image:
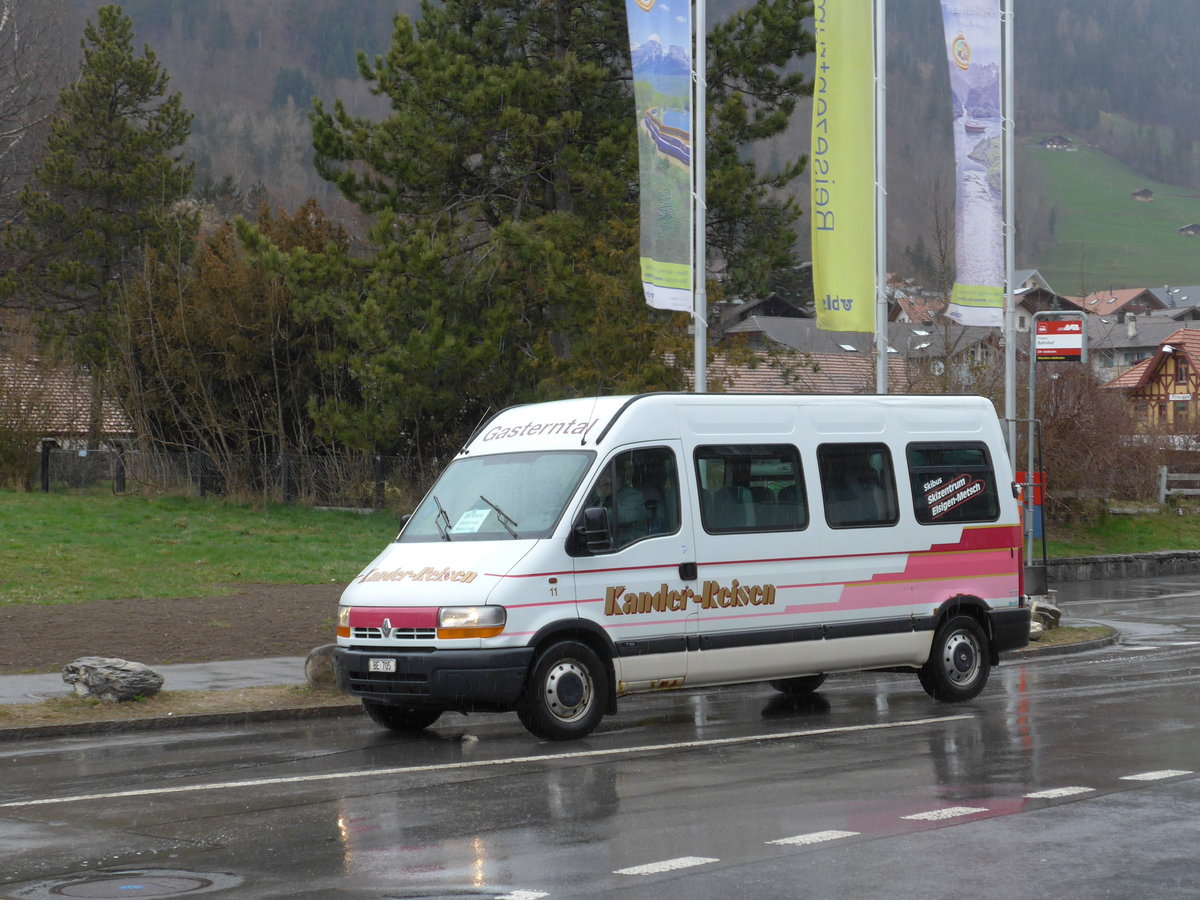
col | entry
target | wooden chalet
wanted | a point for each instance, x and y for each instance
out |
(1164, 390)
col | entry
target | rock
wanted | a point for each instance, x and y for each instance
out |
(111, 679)
(318, 668)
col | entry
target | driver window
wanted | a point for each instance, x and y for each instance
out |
(640, 491)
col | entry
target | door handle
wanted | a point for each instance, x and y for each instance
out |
(687, 571)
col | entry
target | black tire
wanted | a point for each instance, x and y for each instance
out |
(564, 698)
(958, 664)
(801, 686)
(400, 719)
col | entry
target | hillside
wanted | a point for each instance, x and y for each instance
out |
(249, 70)
(1102, 237)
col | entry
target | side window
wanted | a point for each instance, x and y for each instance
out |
(751, 487)
(952, 482)
(858, 485)
(640, 490)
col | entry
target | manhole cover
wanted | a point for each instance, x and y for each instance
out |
(132, 884)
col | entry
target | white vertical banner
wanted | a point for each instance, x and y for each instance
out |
(660, 41)
(973, 46)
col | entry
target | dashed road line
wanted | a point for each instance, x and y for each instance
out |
(1157, 776)
(815, 837)
(667, 865)
(952, 812)
(1052, 793)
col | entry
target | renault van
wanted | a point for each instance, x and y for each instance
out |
(579, 551)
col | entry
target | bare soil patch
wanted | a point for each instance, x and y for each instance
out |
(254, 621)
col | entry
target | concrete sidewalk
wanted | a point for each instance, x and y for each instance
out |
(225, 675)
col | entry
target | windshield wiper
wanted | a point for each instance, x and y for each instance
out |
(442, 515)
(504, 518)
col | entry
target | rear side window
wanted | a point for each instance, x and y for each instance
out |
(751, 487)
(952, 482)
(858, 485)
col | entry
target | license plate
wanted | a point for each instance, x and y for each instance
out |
(381, 665)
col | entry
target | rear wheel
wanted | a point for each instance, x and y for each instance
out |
(798, 687)
(958, 664)
(400, 719)
(564, 697)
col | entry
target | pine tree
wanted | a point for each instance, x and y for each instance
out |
(504, 182)
(107, 190)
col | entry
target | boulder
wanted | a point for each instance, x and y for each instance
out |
(111, 679)
(318, 668)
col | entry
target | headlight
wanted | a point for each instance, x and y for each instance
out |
(343, 621)
(470, 621)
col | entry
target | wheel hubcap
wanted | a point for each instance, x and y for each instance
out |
(961, 658)
(568, 690)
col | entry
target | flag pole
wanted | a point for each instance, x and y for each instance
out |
(699, 174)
(881, 304)
(1010, 312)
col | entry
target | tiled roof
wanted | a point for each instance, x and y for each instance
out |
(800, 373)
(1185, 341)
(908, 340)
(1106, 303)
(53, 402)
(921, 310)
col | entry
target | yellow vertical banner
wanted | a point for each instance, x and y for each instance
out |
(842, 168)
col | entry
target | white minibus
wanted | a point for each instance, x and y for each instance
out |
(578, 551)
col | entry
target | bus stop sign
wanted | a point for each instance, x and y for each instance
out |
(1059, 340)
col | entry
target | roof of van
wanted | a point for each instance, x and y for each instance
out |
(587, 421)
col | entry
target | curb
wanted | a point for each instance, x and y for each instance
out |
(1033, 652)
(165, 723)
(353, 708)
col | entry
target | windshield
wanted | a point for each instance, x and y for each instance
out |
(500, 497)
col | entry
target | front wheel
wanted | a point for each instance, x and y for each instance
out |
(400, 719)
(564, 697)
(958, 664)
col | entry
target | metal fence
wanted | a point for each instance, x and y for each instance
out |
(358, 480)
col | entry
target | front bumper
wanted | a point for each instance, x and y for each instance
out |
(459, 680)
(1010, 628)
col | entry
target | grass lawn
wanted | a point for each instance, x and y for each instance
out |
(1125, 534)
(61, 548)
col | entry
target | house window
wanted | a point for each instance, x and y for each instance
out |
(1181, 371)
(1181, 413)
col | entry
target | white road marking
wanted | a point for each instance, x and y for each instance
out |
(1157, 776)
(478, 764)
(815, 837)
(667, 865)
(523, 895)
(952, 812)
(1059, 792)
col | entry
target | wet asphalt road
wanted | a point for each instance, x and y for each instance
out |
(1073, 776)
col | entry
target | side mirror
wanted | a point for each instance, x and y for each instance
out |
(593, 533)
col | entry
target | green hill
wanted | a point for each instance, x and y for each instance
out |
(1099, 230)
